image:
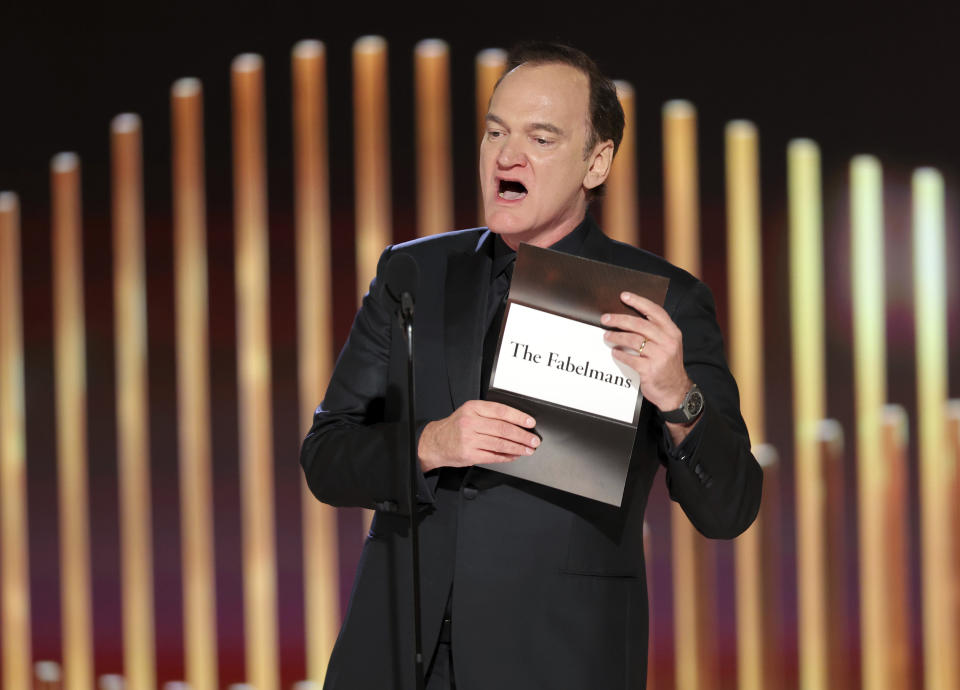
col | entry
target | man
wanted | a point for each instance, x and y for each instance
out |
(523, 586)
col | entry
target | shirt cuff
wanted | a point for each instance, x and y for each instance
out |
(424, 494)
(688, 446)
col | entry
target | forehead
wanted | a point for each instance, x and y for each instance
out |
(551, 92)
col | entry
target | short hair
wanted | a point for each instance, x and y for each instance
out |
(606, 113)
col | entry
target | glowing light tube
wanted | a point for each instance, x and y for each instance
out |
(620, 213)
(371, 142)
(14, 566)
(71, 403)
(253, 372)
(896, 492)
(693, 558)
(756, 564)
(193, 385)
(431, 75)
(371, 155)
(832, 458)
(938, 469)
(315, 340)
(133, 422)
(870, 387)
(746, 362)
(681, 207)
(488, 67)
(809, 405)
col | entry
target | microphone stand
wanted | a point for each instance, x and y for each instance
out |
(406, 320)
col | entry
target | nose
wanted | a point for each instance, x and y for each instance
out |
(510, 154)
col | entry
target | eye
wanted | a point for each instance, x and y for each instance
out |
(542, 141)
(494, 133)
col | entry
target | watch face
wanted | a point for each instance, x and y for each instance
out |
(694, 403)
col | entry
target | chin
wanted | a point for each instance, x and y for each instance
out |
(505, 223)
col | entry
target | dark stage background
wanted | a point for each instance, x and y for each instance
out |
(855, 83)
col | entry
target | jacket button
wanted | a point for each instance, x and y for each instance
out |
(705, 478)
(470, 492)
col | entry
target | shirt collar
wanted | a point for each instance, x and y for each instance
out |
(571, 243)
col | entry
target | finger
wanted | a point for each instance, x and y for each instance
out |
(511, 432)
(631, 324)
(485, 456)
(636, 344)
(647, 307)
(636, 362)
(495, 410)
(496, 444)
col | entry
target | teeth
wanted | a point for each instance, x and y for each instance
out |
(511, 190)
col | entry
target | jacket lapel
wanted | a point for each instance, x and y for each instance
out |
(467, 283)
(596, 245)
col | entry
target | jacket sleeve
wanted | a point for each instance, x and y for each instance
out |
(716, 480)
(354, 453)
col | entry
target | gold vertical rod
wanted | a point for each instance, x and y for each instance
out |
(680, 186)
(745, 272)
(648, 559)
(371, 127)
(15, 563)
(870, 388)
(315, 346)
(831, 448)
(953, 426)
(193, 385)
(809, 404)
(757, 577)
(896, 518)
(767, 552)
(744, 256)
(937, 468)
(620, 204)
(953, 432)
(693, 563)
(488, 68)
(431, 75)
(71, 403)
(133, 445)
(371, 152)
(253, 363)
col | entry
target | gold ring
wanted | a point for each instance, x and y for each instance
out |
(642, 345)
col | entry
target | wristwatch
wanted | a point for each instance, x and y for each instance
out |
(689, 410)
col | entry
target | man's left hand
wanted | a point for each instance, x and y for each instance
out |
(652, 345)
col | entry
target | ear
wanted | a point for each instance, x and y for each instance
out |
(600, 161)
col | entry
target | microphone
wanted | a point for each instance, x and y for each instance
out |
(401, 279)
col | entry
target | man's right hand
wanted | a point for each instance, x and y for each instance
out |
(479, 431)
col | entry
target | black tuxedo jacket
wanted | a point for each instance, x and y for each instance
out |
(548, 588)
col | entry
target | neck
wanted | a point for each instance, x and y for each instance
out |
(544, 238)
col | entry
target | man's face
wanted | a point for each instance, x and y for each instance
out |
(533, 173)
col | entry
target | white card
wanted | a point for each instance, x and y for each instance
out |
(565, 362)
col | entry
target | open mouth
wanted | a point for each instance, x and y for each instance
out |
(511, 190)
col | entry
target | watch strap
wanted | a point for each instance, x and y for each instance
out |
(689, 410)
